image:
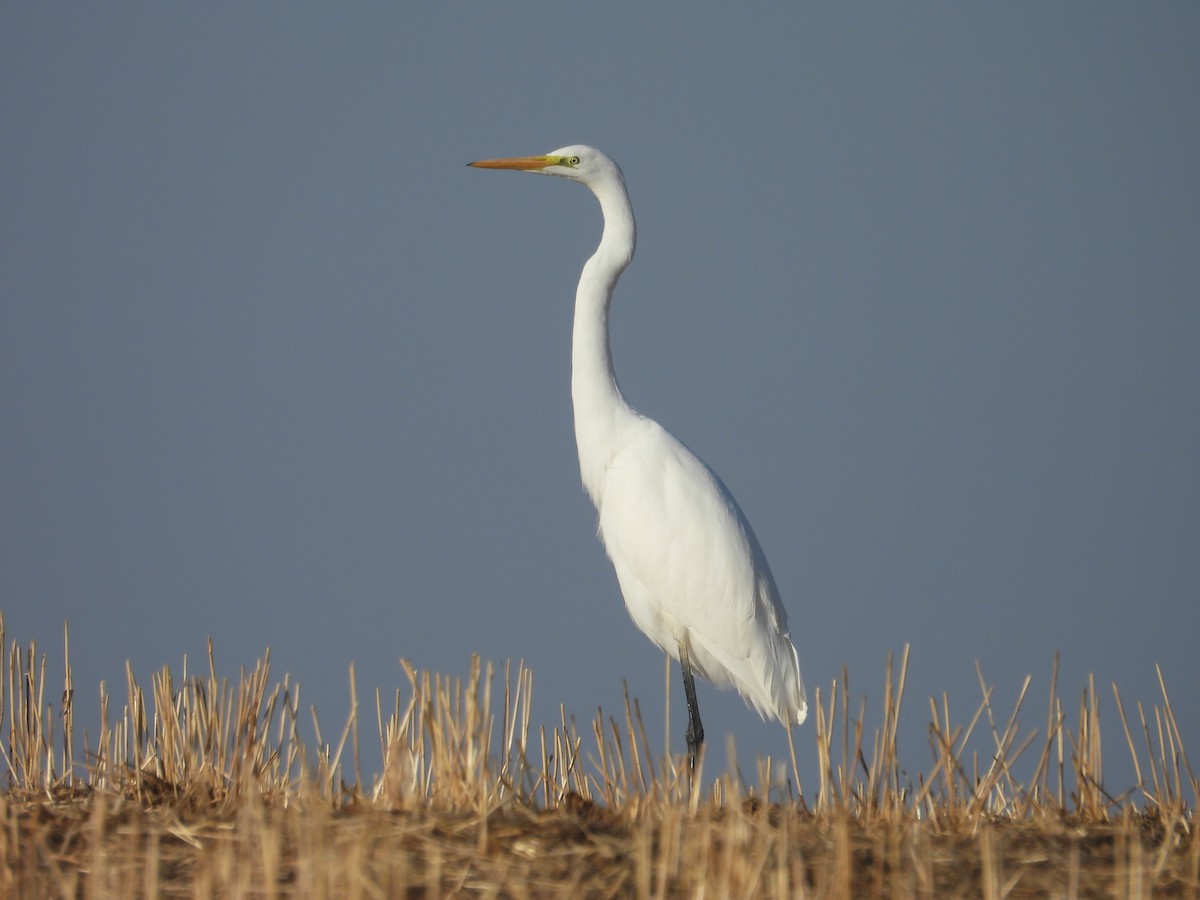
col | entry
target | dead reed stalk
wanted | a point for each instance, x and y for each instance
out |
(200, 784)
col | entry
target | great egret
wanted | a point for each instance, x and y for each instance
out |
(694, 577)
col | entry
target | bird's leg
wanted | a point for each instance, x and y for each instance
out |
(695, 731)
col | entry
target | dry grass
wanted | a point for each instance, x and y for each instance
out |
(201, 788)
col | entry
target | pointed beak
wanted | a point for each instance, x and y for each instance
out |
(520, 163)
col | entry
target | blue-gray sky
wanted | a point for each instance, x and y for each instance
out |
(919, 280)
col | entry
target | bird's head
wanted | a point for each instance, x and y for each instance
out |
(577, 162)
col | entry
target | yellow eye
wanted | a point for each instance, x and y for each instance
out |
(574, 161)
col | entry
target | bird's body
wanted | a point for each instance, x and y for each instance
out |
(692, 571)
(693, 575)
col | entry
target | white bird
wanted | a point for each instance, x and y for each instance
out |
(694, 577)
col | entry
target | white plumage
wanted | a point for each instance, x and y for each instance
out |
(694, 577)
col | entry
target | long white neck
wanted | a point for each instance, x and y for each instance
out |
(601, 413)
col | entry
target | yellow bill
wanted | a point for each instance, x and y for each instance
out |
(522, 163)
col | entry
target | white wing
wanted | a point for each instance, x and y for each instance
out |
(691, 569)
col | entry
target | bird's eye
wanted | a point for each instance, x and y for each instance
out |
(574, 161)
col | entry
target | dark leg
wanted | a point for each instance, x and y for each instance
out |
(695, 731)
